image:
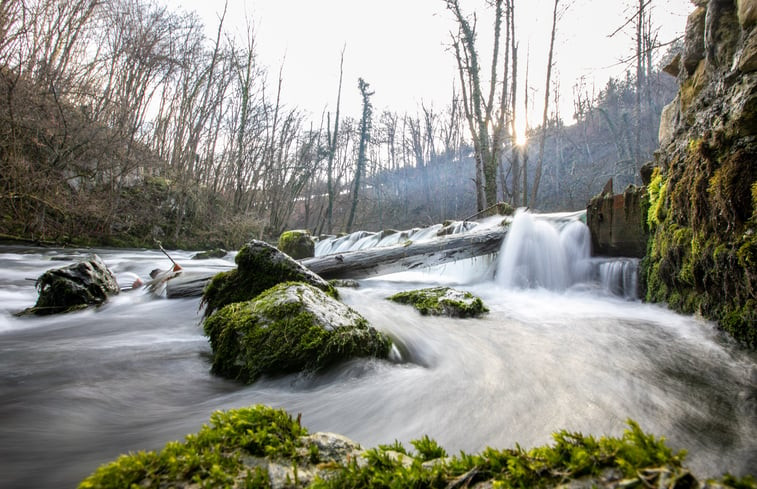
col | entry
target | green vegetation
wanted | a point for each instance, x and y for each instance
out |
(211, 458)
(702, 257)
(240, 448)
(291, 327)
(442, 301)
(298, 244)
(260, 266)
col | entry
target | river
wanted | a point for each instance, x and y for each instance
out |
(77, 390)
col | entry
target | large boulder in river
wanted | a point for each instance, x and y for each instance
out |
(260, 266)
(442, 301)
(291, 327)
(298, 244)
(88, 282)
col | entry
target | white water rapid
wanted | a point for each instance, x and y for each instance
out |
(557, 350)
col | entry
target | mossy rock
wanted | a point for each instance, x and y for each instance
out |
(263, 447)
(345, 283)
(292, 327)
(442, 301)
(88, 282)
(260, 266)
(206, 255)
(297, 243)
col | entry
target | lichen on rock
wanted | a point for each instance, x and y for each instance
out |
(442, 301)
(291, 327)
(88, 282)
(297, 243)
(260, 266)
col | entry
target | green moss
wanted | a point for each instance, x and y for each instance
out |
(237, 446)
(211, 458)
(259, 267)
(279, 332)
(442, 301)
(297, 243)
(571, 457)
(214, 253)
(657, 192)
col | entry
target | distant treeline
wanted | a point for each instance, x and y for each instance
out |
(122, 123)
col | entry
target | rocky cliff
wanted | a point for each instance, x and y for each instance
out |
(702, 255)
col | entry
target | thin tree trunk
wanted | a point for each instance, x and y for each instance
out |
(545, 114)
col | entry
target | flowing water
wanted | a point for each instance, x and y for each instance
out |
(562, 347)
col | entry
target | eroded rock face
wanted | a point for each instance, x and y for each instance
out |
(82, 284)
(702, 213)
(442, 301)
(291, 327)
(260, 266)
(298, 244)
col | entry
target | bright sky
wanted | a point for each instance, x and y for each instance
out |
(400, 46)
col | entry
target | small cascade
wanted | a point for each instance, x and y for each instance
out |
(620, 277)
(543, 253)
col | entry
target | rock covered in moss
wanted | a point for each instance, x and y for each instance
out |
(442, 301)
(297, 243)
(260, 266)
(263, 447)
(88, 282)
(208, 254)
(291, 327)
(702, 210)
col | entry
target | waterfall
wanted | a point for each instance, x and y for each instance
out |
(543, 253)
(620, 277)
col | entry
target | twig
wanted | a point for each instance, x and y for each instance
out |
(176, 266)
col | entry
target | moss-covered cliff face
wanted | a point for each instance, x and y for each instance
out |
(702, 255)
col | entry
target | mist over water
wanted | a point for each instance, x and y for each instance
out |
(556, 351)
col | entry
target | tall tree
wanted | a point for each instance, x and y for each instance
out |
(486, 119)
(547, 89)
(332, 140)
(365, 134)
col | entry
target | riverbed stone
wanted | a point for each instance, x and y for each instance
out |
(292, 327)
(297, 243)
(260, 266)
(85, 283)
(442, 301)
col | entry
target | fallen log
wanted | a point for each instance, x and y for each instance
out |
(372, 261)
(412, 256)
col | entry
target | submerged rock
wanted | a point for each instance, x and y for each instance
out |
(297, 243)
(88, 282)
(442, 301)
(291, 327)
(260, 266)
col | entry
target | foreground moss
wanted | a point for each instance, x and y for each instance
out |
(265, 447)
(442, 301)
(211, 458)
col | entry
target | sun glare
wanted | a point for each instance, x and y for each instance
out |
(520, 136)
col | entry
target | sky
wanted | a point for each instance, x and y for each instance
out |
(401, 47)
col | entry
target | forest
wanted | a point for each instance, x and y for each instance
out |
(122, 123)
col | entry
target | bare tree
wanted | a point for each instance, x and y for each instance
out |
(547, 90)
(365, 134)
